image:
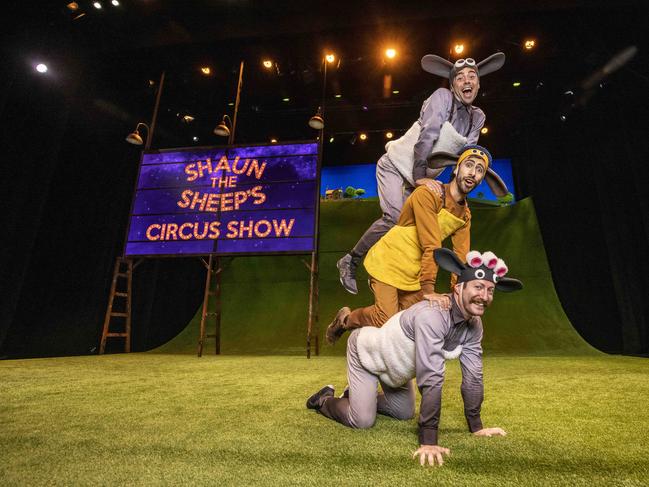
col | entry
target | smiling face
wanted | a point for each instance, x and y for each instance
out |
(476, 296)
(471, 172)
(466, 85)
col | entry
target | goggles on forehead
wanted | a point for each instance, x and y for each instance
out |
(463, 63)
(475, 151)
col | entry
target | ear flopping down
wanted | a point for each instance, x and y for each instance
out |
(483, 266)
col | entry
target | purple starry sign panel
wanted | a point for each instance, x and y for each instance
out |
(259, 199)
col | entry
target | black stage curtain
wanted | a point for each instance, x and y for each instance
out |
(69, 177)
(588, 177)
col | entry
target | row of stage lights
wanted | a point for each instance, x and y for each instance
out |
(361, 136)
(77, 12)
(316, 122)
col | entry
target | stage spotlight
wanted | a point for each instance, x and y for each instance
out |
(530, 44)
(97, 5)
(273, 141)
(286, 100)
(363, 136)
(458, 48)
(317, 122)
(331, 140)
(389, 135)
(206, 70)
(338, 95)
(395, 92)
(390, 53)
(222, 128)
(115, 3)
(330, 58)
(41, 68)
(188, 118)
(268, 63)
(516, 84)
(484, 130)
(73, 6)
(134, 137)
(195, 139)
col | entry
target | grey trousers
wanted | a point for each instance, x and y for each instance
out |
(393, 191)
(359, 411)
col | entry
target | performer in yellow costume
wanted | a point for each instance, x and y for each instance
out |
(401, 265)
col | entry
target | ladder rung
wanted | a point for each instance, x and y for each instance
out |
(116, 334)
(123, 295)
(119, 314)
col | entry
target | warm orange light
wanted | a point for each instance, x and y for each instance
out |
(389, 135)
(529, 44)
(273, 141)
(484, 130)
(73, 6)
(458, 48)
(363, 136)
(330, 58)
(268, 63)
(390, 53)
(206, 70)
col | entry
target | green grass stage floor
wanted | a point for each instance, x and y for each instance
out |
(152, 419)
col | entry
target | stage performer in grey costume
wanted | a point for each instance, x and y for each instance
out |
(447, 122)
(415, 343)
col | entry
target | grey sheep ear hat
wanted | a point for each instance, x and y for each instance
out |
(483, 266)
(439, 66)
(440, 160)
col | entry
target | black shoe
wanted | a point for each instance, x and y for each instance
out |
(347, 270)
(336, 328)
(345, 394)
(316, 400)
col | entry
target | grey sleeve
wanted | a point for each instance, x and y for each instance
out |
(478, 122)
(429, 368)
(472, 385)
(433, 115)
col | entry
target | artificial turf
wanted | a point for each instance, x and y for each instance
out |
(151, 419)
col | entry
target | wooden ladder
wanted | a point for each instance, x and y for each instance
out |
(213, 270)
(126, 274)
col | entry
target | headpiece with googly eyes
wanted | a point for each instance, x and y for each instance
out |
(446, 69)
(479, 266)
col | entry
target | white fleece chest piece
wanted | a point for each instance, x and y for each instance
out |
(452, 354)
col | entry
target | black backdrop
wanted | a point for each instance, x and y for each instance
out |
(67, 188)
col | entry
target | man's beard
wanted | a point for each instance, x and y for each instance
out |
(466, 187)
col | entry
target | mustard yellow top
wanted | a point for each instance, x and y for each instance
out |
(403, 257)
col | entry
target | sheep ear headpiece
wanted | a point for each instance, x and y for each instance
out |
(439, 66)
(439, 160)
(479, 266)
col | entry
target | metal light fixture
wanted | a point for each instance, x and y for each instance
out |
(316, 122)
(134, 137)
(222, 128)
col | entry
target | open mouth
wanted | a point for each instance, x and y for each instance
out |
(467, 91)
(469, 182)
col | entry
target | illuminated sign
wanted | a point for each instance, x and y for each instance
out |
(252, 200)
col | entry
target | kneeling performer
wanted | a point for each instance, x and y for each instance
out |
(415, 343)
